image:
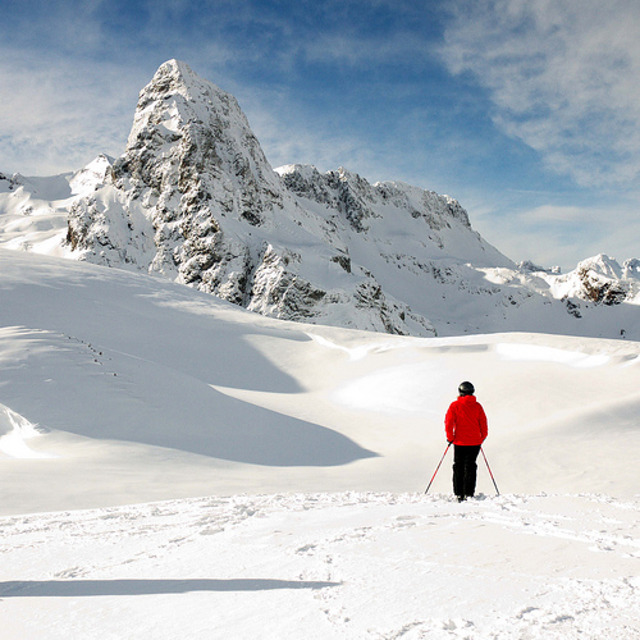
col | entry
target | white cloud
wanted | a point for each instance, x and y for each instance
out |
(558, 234)
(563, 78)
(559, 214)
(58, 116)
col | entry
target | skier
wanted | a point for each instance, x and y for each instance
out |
(466, 428)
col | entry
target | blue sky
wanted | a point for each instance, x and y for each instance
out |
(526, 111)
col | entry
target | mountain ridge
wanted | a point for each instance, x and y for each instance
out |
(193, 198)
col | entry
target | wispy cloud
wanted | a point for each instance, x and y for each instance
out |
(71, 73)
(558, 234)
(563, 78)
(59, 116)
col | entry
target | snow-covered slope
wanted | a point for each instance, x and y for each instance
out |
(117, 387)
(34, 212)
(300, 454)
(194, 199)
(347, 566)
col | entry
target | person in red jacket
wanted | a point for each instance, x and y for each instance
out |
(466, 428)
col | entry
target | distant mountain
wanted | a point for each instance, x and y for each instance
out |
(194, 199)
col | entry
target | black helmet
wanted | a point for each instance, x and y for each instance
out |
(466, 389)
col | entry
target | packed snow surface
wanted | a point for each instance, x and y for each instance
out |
(173, 466)
(347, 565)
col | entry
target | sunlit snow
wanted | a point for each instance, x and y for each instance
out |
(173, 466)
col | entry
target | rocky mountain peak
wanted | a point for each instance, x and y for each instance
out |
(190, 138)
(172, 77)
(359, 201)
(194, 198)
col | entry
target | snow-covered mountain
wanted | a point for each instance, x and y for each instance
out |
(193, 198)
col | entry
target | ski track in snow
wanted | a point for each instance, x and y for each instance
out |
(345, 565)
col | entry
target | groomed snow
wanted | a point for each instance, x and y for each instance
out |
(172, 466)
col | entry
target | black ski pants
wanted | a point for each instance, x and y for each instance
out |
(464, 470)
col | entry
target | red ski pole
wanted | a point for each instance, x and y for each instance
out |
(437, 469)
(489, 468)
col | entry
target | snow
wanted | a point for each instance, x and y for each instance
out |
(347, 565)
(175, 466)
(34, 210)
(15, 430)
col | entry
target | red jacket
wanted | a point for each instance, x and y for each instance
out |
(466, 423)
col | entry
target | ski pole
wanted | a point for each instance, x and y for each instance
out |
(437, 468)
(489, 468)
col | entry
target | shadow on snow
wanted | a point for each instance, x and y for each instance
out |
(135, 587)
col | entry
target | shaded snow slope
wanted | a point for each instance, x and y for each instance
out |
(138, 389)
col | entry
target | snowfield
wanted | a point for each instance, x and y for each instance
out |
(348, 565)
(172, 466)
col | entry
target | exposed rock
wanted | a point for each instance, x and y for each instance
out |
(600, 281)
